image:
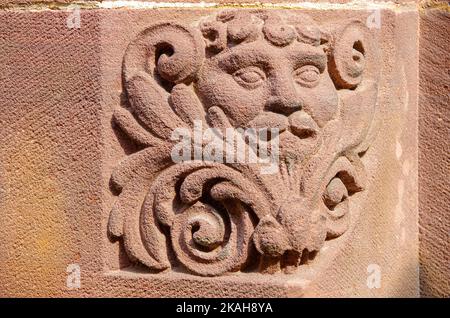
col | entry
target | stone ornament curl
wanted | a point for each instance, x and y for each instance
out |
(348, 55)
(242, 69)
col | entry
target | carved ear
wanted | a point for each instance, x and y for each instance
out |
(347, 60)
(162, 56)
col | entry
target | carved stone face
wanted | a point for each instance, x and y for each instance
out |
(242, 69)
(275, 79)
(258, 81)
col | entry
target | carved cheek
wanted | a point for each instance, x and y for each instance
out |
(321, 102)
(218, 88)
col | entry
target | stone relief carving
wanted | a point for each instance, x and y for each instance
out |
(243, 69)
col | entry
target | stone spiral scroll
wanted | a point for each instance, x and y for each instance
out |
(240, 70)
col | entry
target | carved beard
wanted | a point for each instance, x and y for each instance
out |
(299, 134)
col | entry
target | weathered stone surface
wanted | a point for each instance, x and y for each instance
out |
(87, 179)
(434, 152)
(51, 150)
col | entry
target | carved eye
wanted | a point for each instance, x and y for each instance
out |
(249, 77)
(307, 75)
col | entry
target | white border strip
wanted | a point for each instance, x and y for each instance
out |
(352, 5)
(134, 4)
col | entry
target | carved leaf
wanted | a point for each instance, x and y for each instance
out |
(357, 115)
(206, 215)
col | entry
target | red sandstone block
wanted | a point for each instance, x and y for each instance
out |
(88, 185)
(434, 128)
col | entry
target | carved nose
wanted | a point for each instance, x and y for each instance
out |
(284, 97)
(283, 105)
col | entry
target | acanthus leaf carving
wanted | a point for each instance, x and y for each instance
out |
(237, 70)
